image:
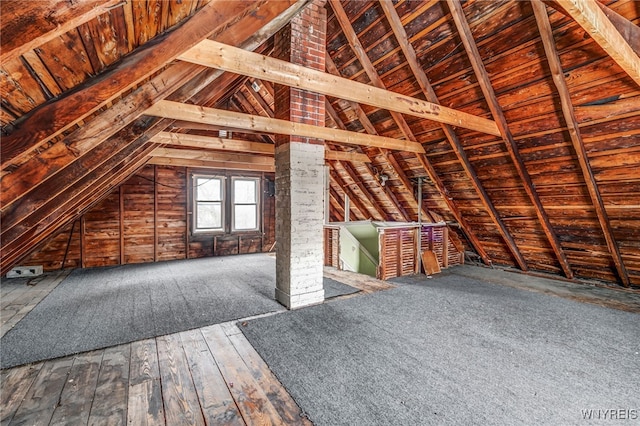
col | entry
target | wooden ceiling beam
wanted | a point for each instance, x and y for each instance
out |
(209, 164)
(198, 114)
(348, 156)
(210, 142)
(27, 25)
(199, 154)
(242, 150)
(449, 132)
(496, 110)
(595, 22)
(218, 55)
(557, 73)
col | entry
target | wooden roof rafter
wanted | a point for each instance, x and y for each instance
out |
(367, 65)
(51, 119)
(594, 21)
(336, 202)
(375, 79)
(29, 28)
(357, 180)
(370, 129)
(352, 173)
(553, 59)
(264, 107)
(449, 132)
(496, 110)
(373, 76)
(101, 127)
(107, 123)
(354, 199)
(22, 232)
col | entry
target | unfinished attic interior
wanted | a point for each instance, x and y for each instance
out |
(369, 182)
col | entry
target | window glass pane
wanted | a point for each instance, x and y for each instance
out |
(244, 191)
(209, 215)
(209, 189)
(246, 217)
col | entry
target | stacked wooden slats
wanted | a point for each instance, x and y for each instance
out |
(332, 246)
(398, 248)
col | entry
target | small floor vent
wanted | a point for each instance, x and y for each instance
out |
(25, 271)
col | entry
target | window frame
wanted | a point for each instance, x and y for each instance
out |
(257, 204)
(196, 201)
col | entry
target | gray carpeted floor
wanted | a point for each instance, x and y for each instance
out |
(453, 350)
(101, 307)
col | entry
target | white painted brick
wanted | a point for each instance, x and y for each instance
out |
(299, 221)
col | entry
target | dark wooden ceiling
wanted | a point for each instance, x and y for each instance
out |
(76, 78)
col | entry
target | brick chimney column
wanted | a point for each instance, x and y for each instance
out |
(299, 166)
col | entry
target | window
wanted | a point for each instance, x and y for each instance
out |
(245, 204)
(209, 203)
(215, 211)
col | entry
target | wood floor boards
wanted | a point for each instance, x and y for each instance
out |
(364, 283)
(207, 376)
(18, 299)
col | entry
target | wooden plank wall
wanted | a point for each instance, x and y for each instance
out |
(146, 219)
(605, 99)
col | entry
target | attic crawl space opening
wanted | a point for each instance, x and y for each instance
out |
(519, 120)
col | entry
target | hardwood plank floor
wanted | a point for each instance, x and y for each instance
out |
(195, 377)
(206, 376)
